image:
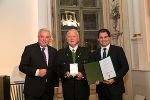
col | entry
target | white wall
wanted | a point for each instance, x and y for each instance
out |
(139, 46)
(141, 83)
(128, 95)
(19, 24)
(147, 22)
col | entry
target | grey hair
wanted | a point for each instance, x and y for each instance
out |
(65, 43)
(45, 29)
(72, 30)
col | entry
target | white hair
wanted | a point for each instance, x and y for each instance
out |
(73, 30)
(45, 29)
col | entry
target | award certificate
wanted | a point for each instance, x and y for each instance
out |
(107, 68)
(73, 69)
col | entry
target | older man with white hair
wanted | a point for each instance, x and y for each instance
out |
(70, 62)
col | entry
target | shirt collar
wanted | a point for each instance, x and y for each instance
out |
(75, 48)
(107, 47)
(43, 47)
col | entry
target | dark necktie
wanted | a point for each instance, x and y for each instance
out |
(104, 53)
(44, 55)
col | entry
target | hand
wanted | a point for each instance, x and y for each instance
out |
(79, 76)
(55, 91)
(42, 72)
(111, 81)
(97, 83)
(68, 74)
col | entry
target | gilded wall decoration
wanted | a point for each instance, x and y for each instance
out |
(115, 16)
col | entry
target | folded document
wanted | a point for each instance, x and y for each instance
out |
(99, 70)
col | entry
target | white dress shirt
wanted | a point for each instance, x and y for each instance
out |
(47, 58)
(75, 48)
(102, 50)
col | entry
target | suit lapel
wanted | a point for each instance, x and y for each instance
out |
(110, 49)
(69, 55)
(78, 54)
(98, 54)
(39, 51)
(49, 56)
(40, 54)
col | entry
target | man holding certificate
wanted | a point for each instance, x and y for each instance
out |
(70, 62)
(113, 88)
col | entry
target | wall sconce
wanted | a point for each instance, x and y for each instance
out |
(137, 35)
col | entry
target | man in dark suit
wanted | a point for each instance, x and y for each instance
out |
(37, 62)
(75, 86)
(111, 89)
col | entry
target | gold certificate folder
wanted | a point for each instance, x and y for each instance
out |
(93, 72)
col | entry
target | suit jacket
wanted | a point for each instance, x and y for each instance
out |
(121, 68)
(73, 88)
(32, 59)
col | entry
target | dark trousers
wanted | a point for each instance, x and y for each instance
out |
(43, 97)
(77, 99)
(113, 97)
(105, 94)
